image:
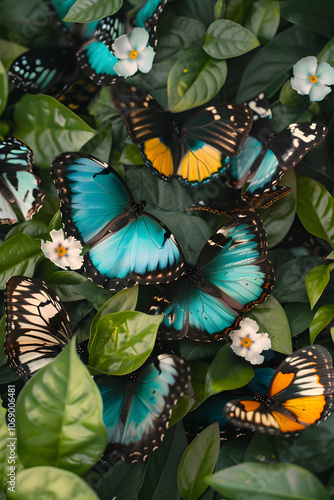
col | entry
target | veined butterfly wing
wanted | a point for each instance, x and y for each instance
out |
(37, 325)
(299, 395)
(127, 245)
(18, 184)
(232, 274)
(137, 407)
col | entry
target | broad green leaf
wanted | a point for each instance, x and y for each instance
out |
(310, 14)
(49, 127)
(131, 156)
(322, 317)
(100, 145)
(177, 35)
(316, 281)
(123, 341)
(290, 97)
(198, 371)
(3, 88)
(182, 407)
(224, 39)
(263, 481)
(85, 11)
(327, 53)
(125, 300)
(19, 256)
(160, 482)
(198, 461)
(191, 350)
(227, 371)
(271, 318)
(33, 228)
(261, 449)
(41, 483)
(49, 208)
(194, 79)
(232, 452)
(56, 222)
(219, 9)
(315, 208)
(196, 9)
(299, 315)
(59, 416)
(10, 51)
(269, 68)
(264, 19)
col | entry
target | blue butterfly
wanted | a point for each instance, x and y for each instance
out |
(137, 407)
(127, 245)
(96, 57)
(80, 31)
(19, 186)
(266, 155)
(232, 274)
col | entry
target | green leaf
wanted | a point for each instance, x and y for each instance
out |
(269, 67)
(316, 281)
(33, 228)
(19, 256)
(322, 317)
(290, 98)
(194, 79)
(100, 145)
(58, 404)
(271, 318)
(224, 39)
(299, 316)
(310, 14)
(263, 481)
(327, 53)
(131, 156)
(226, 372)
(49, 127)
(198, 372)
(160, 482)
(123, 341)
(261, 449)
(10, 51)
(264, 19)
(3, 88)
(198, 461)
(85, 11)
(125, 300)
(315, 208)
(39, 483)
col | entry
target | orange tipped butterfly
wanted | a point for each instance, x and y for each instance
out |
(195, 151)
(300, 394)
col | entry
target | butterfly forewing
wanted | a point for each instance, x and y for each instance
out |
(37, 325)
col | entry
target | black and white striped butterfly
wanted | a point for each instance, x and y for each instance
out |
(37, 325)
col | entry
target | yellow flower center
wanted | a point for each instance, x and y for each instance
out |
(246, 342)
(61, 251)
(313, 78)
(133, 54)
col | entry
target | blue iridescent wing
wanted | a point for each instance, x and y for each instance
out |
(137, 408)
(19, 186)
(241, 166)
(232, 275)
(148, 16)
(58, 10)
(127, 245)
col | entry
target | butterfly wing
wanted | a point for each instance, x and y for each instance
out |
(137, 409)
(37, 325)
(299, 395)
(148, 17)
(18, 184)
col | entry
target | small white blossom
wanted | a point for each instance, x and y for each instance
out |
(133, 53)
(249, 344)
(64, 252)
(312, 79)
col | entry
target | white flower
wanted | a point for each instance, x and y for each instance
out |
(133, 53)
(249, 344)
(64, 252)
(311, 79)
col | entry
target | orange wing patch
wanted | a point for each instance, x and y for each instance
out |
(280, 382)
(160, 156)
(287, 425)
(200, 165)
(307, 410)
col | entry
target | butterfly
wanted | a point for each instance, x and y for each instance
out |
(299, 395)
(266, 155)
(58, 9)
(37, 325)
(196, 151)
(19, 186)
(231, 275)
(127, 245)
(137, 407)
(96, 56)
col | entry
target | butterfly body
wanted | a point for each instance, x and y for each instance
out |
(299, 395)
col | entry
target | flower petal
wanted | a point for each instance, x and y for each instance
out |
(138, 39)
(319, 91)
(325, 73)
(145, 60)
(57, 236)
(305, 67)
(302, 86)
(248, 325)
(122, 47)
(254, 358)
(239, 350)
(126, 67)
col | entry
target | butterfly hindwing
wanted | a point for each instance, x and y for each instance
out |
(299, 395)
(127, 245)
(37, 325)
(137, 407)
